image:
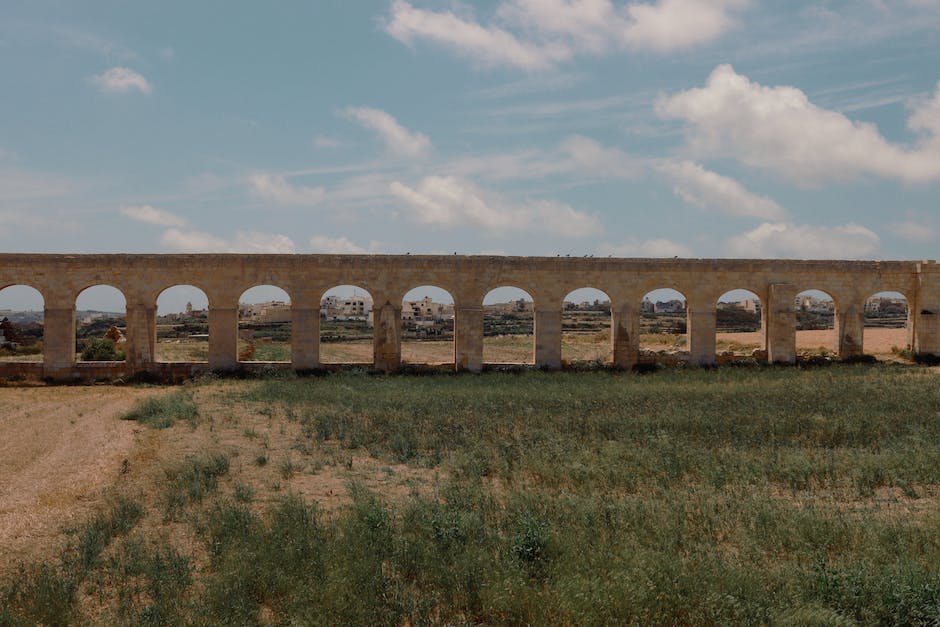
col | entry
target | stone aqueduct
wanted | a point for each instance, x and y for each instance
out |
(223, 278)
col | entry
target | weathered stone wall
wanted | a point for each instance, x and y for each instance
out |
(141, 278)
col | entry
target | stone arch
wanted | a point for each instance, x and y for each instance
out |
(508, 326)
(816, 322)
(22, 312)
(739, 325)
(182, 325)
(887, 328)
(264, 324)
(347, 329)
(100, 324)
(586, 329)
(427, 318)
(664, 326)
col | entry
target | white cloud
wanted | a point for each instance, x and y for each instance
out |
(645, 248)
(539, 34)
(398, 139)
(801, 241)
(708, 190)
(592, 158)
(335, 245)
(321, 141)
(275, 188)
(674, 24)
(483, 45)
(450, 202)
(921, 230)
(152, 215)
(193, 241)
(121, 80)
(778, 129)
(243, 242)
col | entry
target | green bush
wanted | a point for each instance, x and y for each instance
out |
(100, 349)
(161, 412)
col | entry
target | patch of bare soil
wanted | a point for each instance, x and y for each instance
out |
(60, 449)
(271, 454)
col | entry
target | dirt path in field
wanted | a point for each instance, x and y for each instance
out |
(60, 448)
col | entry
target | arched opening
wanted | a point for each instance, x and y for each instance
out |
(100, 324)
(182, 325)
(887, 325)
(585, 327)
(664, 327)
(346, 326)
(508, 337)
(21, 323)
(739, 326)
(427, 326)
(264, 324)
(815, 324)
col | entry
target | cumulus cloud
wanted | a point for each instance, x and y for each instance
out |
(152, 215)
(483, 45)
(397, 138)
(539, 34)
(921, 230)
(335, 245)
(788, 240)
(450, 202)
(277, 189)
(244, 242)
(778, 129)
(121, 80)
(645, 248)
(592, 158)
(322, 141)
(709, 190)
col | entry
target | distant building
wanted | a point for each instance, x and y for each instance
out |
(669, 307)
(269, 312)
(345, 308)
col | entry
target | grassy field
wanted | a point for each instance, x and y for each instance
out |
(729, 496)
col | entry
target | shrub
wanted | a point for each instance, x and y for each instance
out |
(101, 349)
(162, 412)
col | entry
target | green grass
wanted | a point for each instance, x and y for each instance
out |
(730, 496)
(161, 412)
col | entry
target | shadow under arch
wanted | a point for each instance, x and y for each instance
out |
(508, 326)
(586, 332)
(739, 325)
(664, 325)
(347, 332)
(264, 324)
(816, 333)
(887, 332)
(182, 325)
(100, 324)
(22, 314)
(427, 326)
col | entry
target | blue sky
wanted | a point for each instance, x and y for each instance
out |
(722, 128)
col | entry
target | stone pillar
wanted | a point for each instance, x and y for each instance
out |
(625, 334)
(850, 325)
(58, 342)
(925, 310)
(780, 324)
(305, 337)
(387, 337)
(701, 327)
(223, 338)
(548, 339)
(139, 350)
(468, 338)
